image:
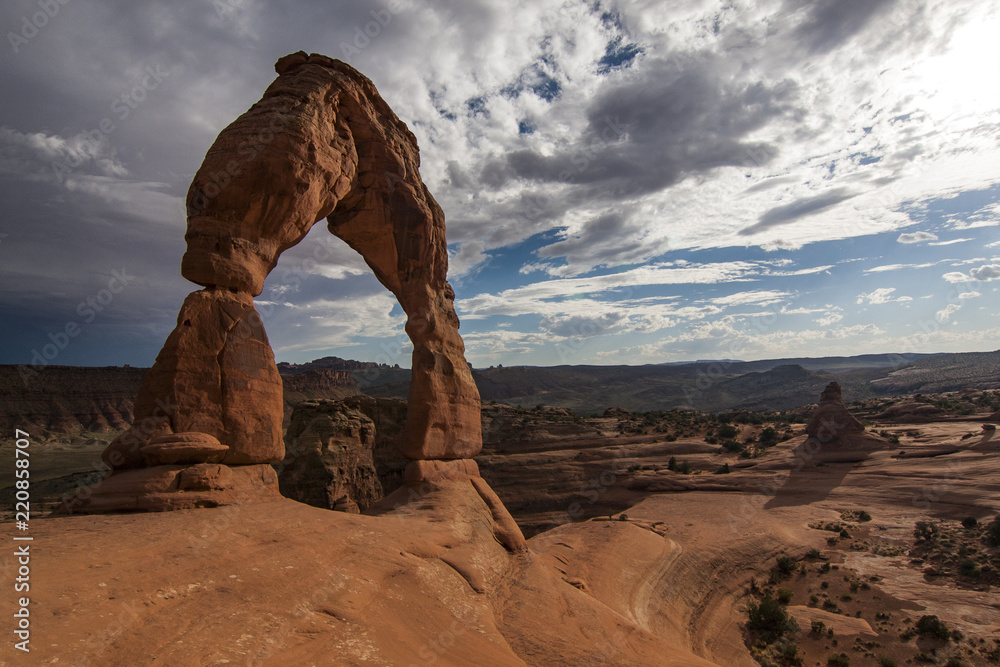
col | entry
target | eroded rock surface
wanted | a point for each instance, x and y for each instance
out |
(328, 460)
(214, 375)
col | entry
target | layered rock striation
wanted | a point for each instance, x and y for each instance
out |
(328, 458)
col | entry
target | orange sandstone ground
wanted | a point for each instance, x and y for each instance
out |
(427, 583)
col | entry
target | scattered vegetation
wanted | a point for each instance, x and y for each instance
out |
(932, 626)
(768, 620)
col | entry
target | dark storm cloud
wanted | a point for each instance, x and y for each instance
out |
(673, 117)
(108, 111)
(608, 239)
(783, 215)
(830, 23)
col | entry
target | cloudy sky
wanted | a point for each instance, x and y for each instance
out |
(624, 182)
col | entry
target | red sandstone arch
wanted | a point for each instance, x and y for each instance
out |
(321, 143)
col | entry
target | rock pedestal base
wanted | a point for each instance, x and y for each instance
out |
(423, 478)
(173, 487)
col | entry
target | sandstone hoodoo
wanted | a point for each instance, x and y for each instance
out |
(836, 434)
(326, 146)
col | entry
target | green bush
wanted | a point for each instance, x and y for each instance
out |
(818, 627)
(723, 469)
(969, 522)
(969, 568)
(768, 437)
(886, 662)
(925, 530)
(785, 564)
(732, 446)
(932, 626)
(768, 619)
(838, 660)
(727, 431)
(864, 516)
(784, 595)
(672, 464)
(993, 533)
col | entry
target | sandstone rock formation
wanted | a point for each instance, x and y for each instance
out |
(322, 143)
(327, 145)
(912, 412)
(832, 420)
(328, 461)
(835, 434)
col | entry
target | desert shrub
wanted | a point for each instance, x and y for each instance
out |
(844, 534)
(768, 437)
(932, 626)
(829, 604)
(768, 619)
(953, 662)
(838, 660)
(814, 554)
(727, 431)
(623, 517)
(787, 653)
(732, 446)
(969, 522)
(993, 533)
(784, 595)
(846, 597)
(864, 516)
(824, 568)
(672, 464)
(886, 662)
(813, 600)
(785, 564)
(969, 568)
(671, 438)
(817, 627)
(711, 440)
(925, 530)
(723, 469)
